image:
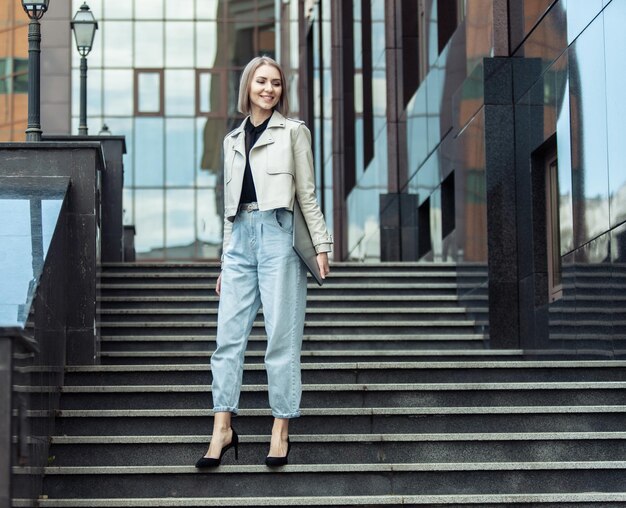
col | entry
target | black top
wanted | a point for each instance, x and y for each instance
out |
(248, 192)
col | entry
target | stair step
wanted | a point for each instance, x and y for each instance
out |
(111, 450)
(462, 419)
(327, 342)
(350, 395)
(333, 479)
(442, 315)
(451, 501)
(203, 356)
(360, 372)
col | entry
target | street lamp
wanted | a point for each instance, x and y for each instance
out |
(84, 26)
(35, 10)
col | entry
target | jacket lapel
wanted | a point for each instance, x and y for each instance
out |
(267, 136)
(239, 139)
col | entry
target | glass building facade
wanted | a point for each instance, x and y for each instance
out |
(486, 134)
(165, 75)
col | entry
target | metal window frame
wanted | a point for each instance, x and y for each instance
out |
(222, 75)
(161, 72)
(553, 227)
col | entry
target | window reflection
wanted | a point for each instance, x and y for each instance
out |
(148, 92)
(149, 152)
(113, 9)
(179, 150)
(180, 9)
(180, 92)
(118, 39)
(150, 9)
(179, 43)
(118, 92)
(206, 9)
(179, 223)
(149, 43)
(149, 224)
(206, 44)
(614, 19)
(589, 148)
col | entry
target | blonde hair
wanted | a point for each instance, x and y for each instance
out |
(243, 104)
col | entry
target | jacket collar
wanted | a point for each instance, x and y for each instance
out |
(277, 120)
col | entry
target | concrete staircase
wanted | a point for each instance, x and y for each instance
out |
(402, 404)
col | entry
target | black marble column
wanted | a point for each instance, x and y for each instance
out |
(113, 148)
(504, 326)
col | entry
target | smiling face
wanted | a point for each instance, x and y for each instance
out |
(265, 90)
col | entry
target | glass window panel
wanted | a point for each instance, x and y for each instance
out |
(20, 83)
(179, 44)
(579, 15)
(118, 92)
(149, 227)
(179, 151)
(149, 92)
(206, 44)
(378, 44)
(209, 224)
(180, 9)
(210, 133)
(149, 9)
(294, 104)
(589, 144)
(564, 156)
(358, 93)
(614, 19)
(148, 152)
(207, 9)
(210, 97)
(94, 92)
(180, 228)
(149, 44)
(378, 10)
(294, 51)
(115, 9)
(118, 39)
(180, 92)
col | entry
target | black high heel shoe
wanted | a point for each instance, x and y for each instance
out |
(278, 461)
(212, 462)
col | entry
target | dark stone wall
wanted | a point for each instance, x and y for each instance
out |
(82, 163)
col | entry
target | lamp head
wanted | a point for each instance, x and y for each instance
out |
(35, 8)
(84, 26)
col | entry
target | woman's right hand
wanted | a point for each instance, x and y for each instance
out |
(218, 284)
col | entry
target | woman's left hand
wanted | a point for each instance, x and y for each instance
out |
(322, 263)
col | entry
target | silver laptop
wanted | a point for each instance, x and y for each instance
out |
(303, 245)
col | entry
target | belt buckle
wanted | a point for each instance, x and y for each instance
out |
(250, 207)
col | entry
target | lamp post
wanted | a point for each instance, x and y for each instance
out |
(35, 10)
(84, 26)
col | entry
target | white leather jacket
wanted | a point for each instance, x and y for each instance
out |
(282, 167)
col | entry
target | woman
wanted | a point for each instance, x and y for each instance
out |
(268, 164)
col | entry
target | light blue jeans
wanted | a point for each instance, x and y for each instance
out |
(261, 267)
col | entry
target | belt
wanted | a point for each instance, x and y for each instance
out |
(248, 207)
